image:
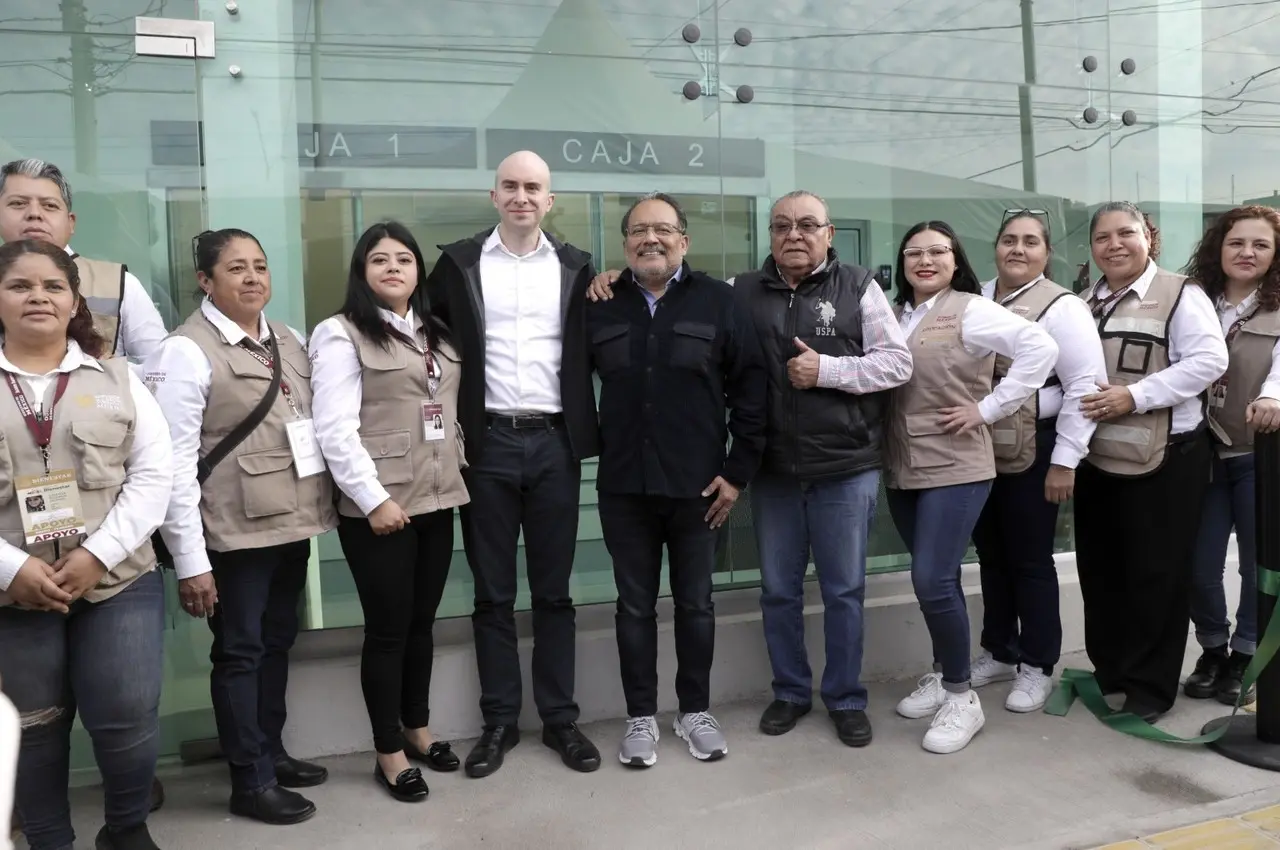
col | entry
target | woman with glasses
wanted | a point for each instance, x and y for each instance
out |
(1236, 265)
(1037, 450)
(1140, 491)
(939, 462)
(250, 491)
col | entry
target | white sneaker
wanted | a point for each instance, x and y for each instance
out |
(955, 724)
(985, 670)
(925, 700)
(1030, 691)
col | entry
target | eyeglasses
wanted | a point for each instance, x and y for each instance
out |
(934, 251)
(807, 226)
(1041, 215)
(195, 248)
(662, 231)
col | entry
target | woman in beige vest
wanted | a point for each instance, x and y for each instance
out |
(1236, 265)
(239, 528)
(1140, 491)
(85, 477)
(386, 392)
(939, 463)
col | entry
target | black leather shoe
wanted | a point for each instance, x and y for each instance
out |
(1230, 678)
(1141, 711)
(132, 838)
(409, 786)
(575, 749)
(1202, 683)
(157, 795)
(439, 756)
(292, 773)
(852, 727)
(486, 756)
(781, 716)
(275, 805)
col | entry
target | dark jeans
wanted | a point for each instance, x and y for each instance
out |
(105, 662)
(1014, 539)
(635, 530)
(254, 627)
(936, 524)
(526, 478)
(1228, 504)
(831, 518)
(400, 578)
(1135, 544)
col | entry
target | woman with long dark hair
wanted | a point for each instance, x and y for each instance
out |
(939, 462)
(386, 376)
(1236, 264)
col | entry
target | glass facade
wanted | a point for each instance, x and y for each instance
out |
(313, 118)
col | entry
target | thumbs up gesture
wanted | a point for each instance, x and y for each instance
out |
(803, 368)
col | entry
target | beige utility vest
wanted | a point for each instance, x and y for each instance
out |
(1014, 437)
(254, 498)
(1249, 366)
(102, 287)
(919, 454)
(93, 428)
(1135, 344)
(420, 476)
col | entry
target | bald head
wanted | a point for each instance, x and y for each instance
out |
(522, 193)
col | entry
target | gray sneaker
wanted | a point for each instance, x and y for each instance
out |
(701, 731)
(640, 744)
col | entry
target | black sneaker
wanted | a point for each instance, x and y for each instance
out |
(132, 838)
(1230, 678)
(1203, 681)
(852, 727)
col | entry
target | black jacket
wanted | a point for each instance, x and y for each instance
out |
(457, 299)
(665, 382)
(815, 433)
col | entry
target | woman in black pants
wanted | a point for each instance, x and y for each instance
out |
(385, 380)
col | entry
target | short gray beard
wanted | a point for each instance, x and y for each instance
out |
(655, 277)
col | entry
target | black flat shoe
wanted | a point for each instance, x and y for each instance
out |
(292, 773)
(409, 786)
(781, 716)
(575, 749)
(275, 805)
(133, 838)
(852, 727)
(157, 795)
(439, 756)
(1141, 711)
(487, 755)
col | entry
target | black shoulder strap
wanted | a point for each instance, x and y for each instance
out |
(206, 464)
(115, 343)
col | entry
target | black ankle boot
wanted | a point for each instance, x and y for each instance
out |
(131, 838)
(1203, 681)
(1231, 677)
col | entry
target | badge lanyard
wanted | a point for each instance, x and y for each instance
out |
(1218, 390)
(39, 424)
(1099, 306)
(431, 374)
(285, 389)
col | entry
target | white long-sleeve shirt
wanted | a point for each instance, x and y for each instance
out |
(986, 327)
(1080, 367)
(141, 328)
(886, 359)
(337, 388)
(1197, 355)
(148, 472)
(180, 375)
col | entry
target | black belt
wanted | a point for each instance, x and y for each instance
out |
(526, 420)
(1188, 436)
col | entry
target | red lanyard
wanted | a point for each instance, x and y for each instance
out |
(1238, 324)
(1098, 307)
(270, 364)
(40, 424)
(429, 362)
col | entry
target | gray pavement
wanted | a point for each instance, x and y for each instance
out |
(1026, 782)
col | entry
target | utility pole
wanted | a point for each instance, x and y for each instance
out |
(1024, 98)
(84, 109)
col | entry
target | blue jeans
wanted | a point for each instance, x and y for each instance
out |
(105, 661)
(936, 525)
(1228, 504)
(833, 518)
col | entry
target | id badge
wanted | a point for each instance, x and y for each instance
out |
(432, 421)
(1218, 394)
(50, 506)
(307, 459)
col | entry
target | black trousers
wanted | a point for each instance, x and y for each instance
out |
(635, 530)
(254, 626)
(1014, 538)
(400, 578)
(527, 478)
(1135, 544)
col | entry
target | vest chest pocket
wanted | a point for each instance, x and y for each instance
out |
(927, 444)
(390, 453)
(611, 348)
(268, 484)
(691, 345)
(1134, 357)
(100, 451)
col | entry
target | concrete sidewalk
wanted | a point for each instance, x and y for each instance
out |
(1026, 782)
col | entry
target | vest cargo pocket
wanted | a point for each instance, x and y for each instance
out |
(269, 485)
(927, 444)
(100, 451)
(1009, 436)
(390, 453)
(692, 344)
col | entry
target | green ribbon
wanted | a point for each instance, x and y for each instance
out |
(1081, 683)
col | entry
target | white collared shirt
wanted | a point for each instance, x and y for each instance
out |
(523, 327)
(148, 471)
(337, 387)
(1080, 367)
(986, 327)
(1227, 314)
(1197, 354)
(179, 374)
(141, 328)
